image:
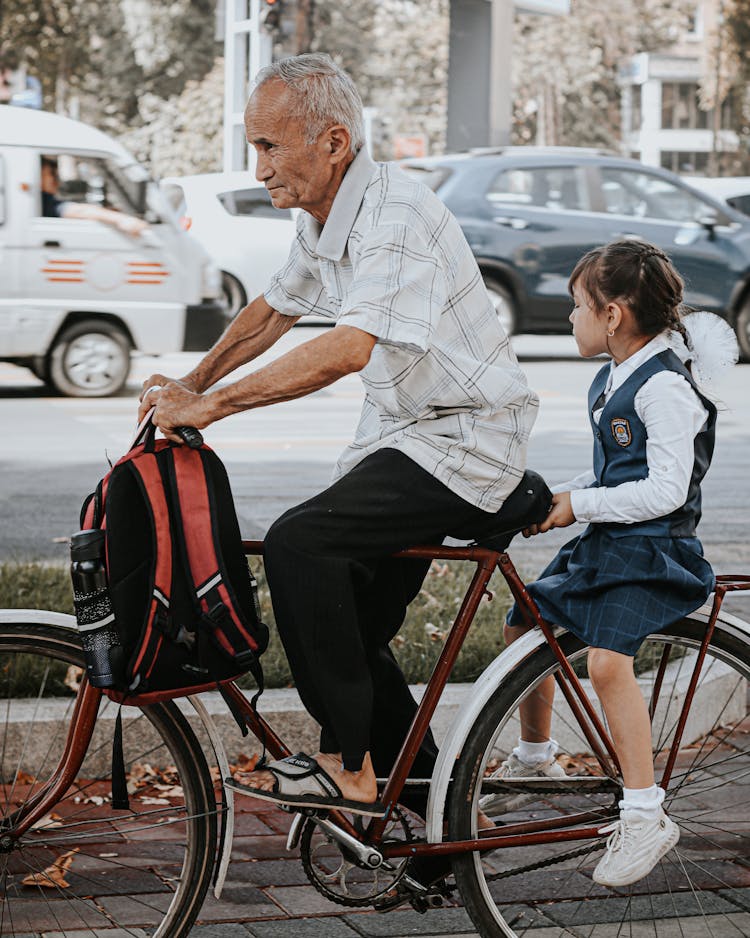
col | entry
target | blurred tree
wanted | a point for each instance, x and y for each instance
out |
(97, 57)
(566, 70)
(737, 20)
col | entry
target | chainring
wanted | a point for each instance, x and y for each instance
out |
(341, 879)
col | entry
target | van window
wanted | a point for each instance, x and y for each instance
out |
(255, 202)
(68, 177)
(552, 187)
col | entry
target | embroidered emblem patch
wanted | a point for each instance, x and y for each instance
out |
(621, 431)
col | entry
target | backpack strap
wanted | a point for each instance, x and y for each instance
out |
(191, 497)
(150, 479)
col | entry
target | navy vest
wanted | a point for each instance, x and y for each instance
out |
(620, 446)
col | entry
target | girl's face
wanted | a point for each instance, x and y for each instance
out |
(589, 325)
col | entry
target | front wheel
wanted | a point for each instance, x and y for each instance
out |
(89, 359)
(85, 869)
(699, 888)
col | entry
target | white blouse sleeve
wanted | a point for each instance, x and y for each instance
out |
(672, 414)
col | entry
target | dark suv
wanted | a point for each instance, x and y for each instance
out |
(530, 213)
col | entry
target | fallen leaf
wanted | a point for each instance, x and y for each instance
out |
(48, 821)
(53, 877)
(147, 800)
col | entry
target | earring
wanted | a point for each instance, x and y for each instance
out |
(610, 332)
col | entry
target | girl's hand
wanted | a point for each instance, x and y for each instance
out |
(560, 514)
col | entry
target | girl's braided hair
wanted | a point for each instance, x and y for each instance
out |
(638, 274)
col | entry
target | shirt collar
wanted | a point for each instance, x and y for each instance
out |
(333, 237)
(619, 374)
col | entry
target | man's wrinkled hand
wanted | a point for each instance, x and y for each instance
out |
(175, 406)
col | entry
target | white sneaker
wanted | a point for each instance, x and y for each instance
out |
(514, 768)
(634, 847)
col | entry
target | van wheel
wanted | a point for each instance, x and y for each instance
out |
(742, 328)
(504, 303)
(89, 359)
(234, 294)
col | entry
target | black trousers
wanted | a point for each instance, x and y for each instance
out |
(339, 597)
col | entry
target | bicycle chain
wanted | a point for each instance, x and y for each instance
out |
(540, 864)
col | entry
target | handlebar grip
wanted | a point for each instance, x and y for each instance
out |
(190, 436)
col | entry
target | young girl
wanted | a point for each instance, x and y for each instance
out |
(638, 566)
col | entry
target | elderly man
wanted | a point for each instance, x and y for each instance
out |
(442, 437)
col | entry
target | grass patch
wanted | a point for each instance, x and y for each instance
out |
(417, 646)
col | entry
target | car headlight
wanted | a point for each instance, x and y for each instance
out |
(210, 280)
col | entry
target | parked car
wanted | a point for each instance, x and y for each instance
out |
(530, 213)
(734, 190)
(231, 215)
(78, 295)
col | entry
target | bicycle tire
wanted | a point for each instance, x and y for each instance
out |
(702, 884)
(85, 868)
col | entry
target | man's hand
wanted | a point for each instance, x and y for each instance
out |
(176, 406)
(560, 516)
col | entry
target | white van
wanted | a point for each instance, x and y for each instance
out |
(77, 296)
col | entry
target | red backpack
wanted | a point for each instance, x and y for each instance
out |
(184, 600)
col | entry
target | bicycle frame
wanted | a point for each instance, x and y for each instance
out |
(571, 828)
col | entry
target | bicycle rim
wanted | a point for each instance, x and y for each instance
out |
(701, 888)
(84, 868)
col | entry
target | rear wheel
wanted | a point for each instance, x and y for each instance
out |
(85, 869)
(699, 888)
(89, 359)
(234, 294)
(742, 328)
(504, 303)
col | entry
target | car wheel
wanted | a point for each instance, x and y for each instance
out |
(89, 359)
(742, 328)
(234, 294)
(505, 305)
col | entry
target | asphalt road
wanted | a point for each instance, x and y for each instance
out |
(55, 450)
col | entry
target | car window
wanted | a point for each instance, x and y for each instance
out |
(643, 195)
(550, 187)
(431, 176)
(255, 202)
(741, 203)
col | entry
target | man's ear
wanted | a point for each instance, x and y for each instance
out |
(338, 143)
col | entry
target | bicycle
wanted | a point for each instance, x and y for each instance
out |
(147, 870)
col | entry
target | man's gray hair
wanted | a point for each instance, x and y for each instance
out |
(323, 94)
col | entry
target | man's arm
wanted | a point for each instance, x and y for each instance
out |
(128, 224)
(307, 368)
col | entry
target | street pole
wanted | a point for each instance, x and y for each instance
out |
(501, 74)
(716, 122)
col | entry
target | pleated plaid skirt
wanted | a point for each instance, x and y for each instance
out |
(614, 591)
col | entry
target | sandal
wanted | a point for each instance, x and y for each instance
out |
(299, 782)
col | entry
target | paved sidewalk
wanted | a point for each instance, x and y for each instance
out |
(267, 894)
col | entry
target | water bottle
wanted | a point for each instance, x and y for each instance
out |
(93, 608)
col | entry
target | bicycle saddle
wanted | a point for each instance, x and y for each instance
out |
(529, 503)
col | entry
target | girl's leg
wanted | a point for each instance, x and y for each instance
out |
(536, 710)
(627, 715)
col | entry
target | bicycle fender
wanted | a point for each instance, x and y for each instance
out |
(227, 821)
(486, 685)
(38, 617)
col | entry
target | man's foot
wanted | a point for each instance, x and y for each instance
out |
(300, 781)
(513, 768)
(634, 847)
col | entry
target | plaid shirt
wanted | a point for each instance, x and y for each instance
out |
(443, 384)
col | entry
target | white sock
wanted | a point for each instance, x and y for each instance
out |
(534, 753)
(643, 802)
